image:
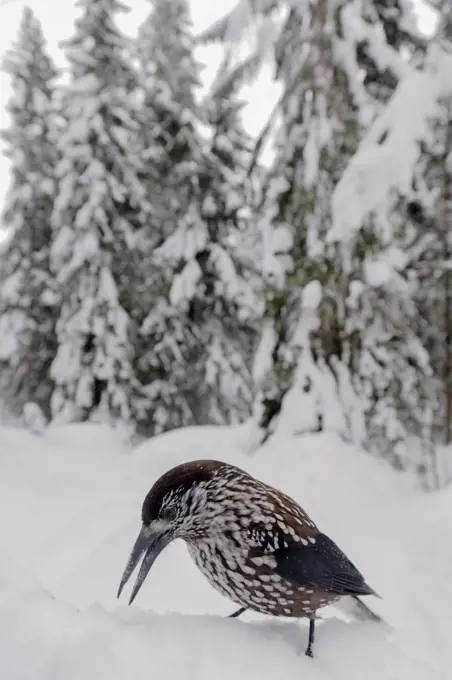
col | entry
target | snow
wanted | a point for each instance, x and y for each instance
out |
(388, 153)
(184, 285)
(377, 272)
(70, 510)
(364, 31)
(277, 243)
(311, 295)
(262, 363)
(10, 327)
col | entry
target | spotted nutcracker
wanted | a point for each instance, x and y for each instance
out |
(253, 543)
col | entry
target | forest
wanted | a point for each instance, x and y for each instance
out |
(156, 272)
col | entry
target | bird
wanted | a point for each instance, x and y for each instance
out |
(253, 543)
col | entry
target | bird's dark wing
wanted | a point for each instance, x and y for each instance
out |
(320, 565)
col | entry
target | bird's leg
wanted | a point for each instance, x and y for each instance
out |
(237, 613)
(308, 651)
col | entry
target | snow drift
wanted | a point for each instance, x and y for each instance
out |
(69, 511)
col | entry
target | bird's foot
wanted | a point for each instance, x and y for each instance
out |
(237, 613)
(309, 651)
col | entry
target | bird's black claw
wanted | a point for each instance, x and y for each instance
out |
(309, 653)
(237, 613)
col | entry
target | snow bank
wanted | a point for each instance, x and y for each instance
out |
(43, 639)
(70, 509)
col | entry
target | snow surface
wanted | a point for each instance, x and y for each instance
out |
(70, 510)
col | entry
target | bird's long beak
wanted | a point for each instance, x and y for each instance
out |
(150, 542)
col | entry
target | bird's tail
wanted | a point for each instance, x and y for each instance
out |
(355, 608)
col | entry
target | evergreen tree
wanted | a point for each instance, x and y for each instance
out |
(399, 35)
(320, 363)
(169, 344)
(390, 360)
(98, 211)
(196, 306)
(303, 378)
(27, 314)
(430, 245)
(378, 208)
(224, 304)
(171, 149)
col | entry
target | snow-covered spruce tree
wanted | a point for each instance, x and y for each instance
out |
(223, 303)
(392, 167)
(27, 313)
(398, 33)
(195, 300)
(390, 368)
(302, 367)
(99, 208)
(168, 343)
(430, 246)
(387, 348)
(312, 368)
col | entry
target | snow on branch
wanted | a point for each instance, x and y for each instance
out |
(231, 28)
(357, 30)
(386, 158)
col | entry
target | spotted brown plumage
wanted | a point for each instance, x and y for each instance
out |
(253, 543)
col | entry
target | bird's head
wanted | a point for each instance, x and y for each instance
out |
(175, 507)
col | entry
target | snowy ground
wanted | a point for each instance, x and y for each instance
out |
(69, 513)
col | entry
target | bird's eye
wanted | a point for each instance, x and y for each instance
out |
(168, 514)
